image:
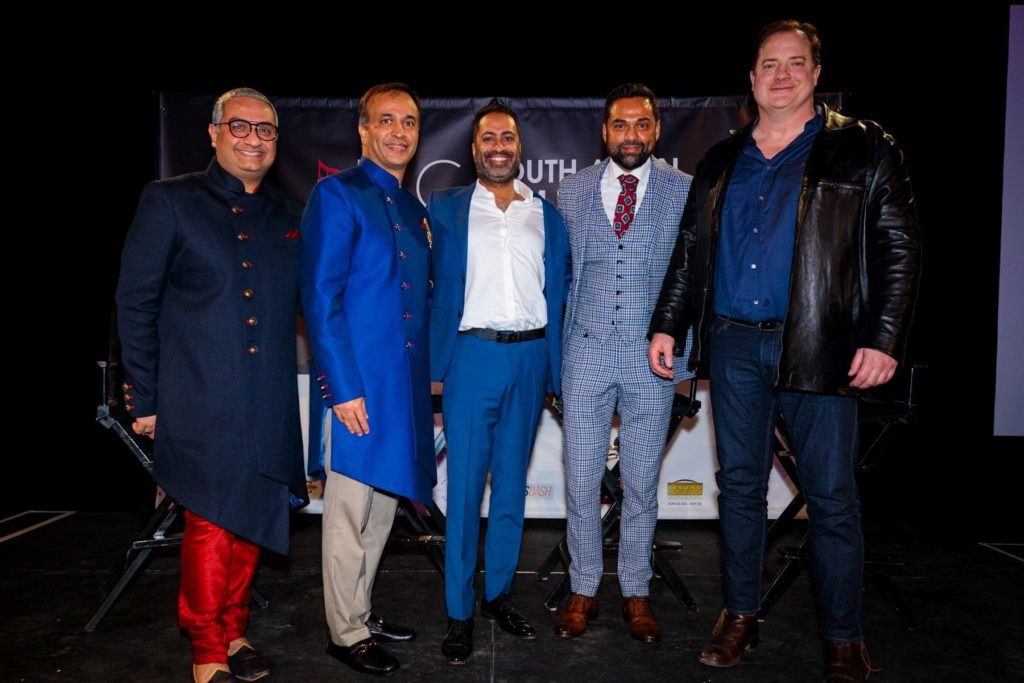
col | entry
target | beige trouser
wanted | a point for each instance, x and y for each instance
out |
(356, 523)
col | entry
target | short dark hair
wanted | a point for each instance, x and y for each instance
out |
(804, 28)
(495, 106)
(621, 92)
(383, 88)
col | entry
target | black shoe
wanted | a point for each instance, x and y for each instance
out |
(367, 656)
(249, 665)
(509, 619)
(222, 677)
(458, 641)
(387, 632)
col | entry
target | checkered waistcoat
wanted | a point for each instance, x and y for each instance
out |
(616, 281)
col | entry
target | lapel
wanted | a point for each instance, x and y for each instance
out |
(462, 199)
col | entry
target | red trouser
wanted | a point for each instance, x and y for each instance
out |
(216, 572)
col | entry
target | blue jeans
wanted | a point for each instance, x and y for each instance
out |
(823, 434)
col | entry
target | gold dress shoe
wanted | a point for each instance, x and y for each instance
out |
(573, 621)
(847, 662)
(640, 619)
(731, 636)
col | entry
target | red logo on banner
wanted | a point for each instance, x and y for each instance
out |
(323, 170)
(292, 235)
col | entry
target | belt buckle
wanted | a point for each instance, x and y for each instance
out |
(506, 337)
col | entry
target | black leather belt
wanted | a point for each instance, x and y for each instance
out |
(503, 337)
(763, 325)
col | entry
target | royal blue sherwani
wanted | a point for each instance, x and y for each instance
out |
(615, 287)
(493, 396)
(364, 275)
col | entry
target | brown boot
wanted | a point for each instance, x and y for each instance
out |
(640, 620)
(732, 635)
(573, 621)
(847, 662)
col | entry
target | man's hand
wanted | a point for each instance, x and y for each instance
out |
(145, 426)
(871, 368)
(659, 355)
(353, 415)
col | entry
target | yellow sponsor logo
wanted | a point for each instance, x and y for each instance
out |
(686, 487)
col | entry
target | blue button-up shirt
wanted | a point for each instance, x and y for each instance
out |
(755, 244)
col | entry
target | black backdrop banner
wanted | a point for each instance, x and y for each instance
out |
(560, 136)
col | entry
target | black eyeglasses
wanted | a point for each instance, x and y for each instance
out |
(240, 128)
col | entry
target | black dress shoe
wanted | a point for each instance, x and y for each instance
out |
(458, 641)
(222, 677)
(387, 632)
(367, 656)
(509, 619)
(249, 665)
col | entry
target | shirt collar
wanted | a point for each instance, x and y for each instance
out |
(522, 189)
(811, 128)
(642, 172)
(378, 175)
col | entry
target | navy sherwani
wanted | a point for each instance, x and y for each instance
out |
(206, 307)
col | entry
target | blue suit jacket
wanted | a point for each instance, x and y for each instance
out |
(449, 218)
(364, 278)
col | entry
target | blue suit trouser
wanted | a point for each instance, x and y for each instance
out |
(493, 395)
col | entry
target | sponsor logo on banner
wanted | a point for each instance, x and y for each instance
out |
(539, 490)
(683, 491)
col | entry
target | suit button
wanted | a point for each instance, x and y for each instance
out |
(463, 280)
(247, 293)
(458, 314)
(410, 345)
(253, 349)
(402, 255)
(251, 321)
(237, 210)
(242, 236)
(406, 316)
(398, 227)
(388, 200)
(406, 285)
(247, 264)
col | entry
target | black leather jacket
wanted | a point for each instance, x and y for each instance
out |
(856, 257)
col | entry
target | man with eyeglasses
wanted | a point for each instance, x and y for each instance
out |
(364, 274)
(206, 307)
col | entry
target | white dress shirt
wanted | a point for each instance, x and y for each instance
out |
(611, 188)
(505, 273)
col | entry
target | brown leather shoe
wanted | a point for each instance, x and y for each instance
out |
(640, 619)
(847, 662)
(573, 621)
(731, 636)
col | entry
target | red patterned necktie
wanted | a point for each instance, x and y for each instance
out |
(626, 204)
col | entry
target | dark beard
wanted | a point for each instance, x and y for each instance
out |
(485, 172)
(632, 161)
